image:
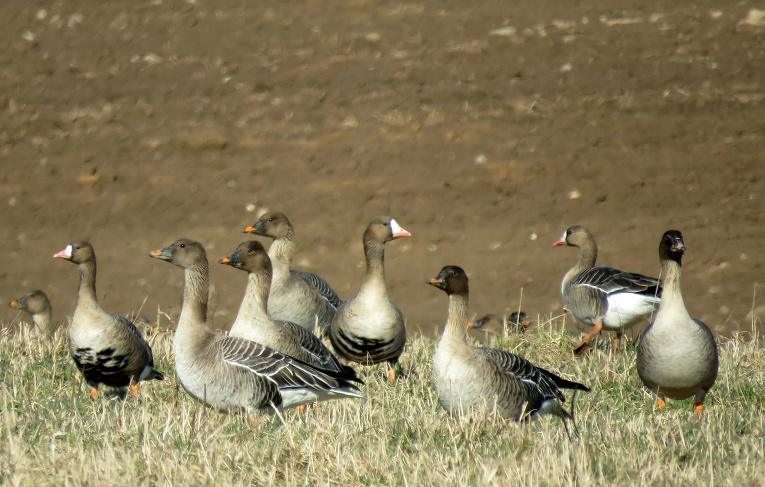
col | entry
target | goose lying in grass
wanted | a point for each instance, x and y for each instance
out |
(37, 304)
(467, 376)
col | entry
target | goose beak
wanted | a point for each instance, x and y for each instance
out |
(559, 242)
(224, 260)
(437, 282)
(471, 324)
(250, 229)
(64, 254)
(162, 254)
(398, 231)
(14, 304)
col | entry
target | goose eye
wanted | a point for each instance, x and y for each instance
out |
(385, 224)
(249, 251)
(183, 246)
(270, 220)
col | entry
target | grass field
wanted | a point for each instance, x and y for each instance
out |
(52, 433)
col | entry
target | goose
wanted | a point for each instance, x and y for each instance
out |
(677, 354)
(606, 298)
(253, 323)
(231, 373)
(296, 296)
(108, 349)
(466, 376)
(517, 320)
(369, 328)
(37, 304)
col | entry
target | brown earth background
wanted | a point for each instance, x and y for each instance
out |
(484, 128)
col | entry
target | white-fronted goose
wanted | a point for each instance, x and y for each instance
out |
(253, 323)
(606, 298)
(677, 354)
(369, 328)
(108, 349)
(466, 376)
(516, 321)
(296, 296)
(231, 373)
(37, 304)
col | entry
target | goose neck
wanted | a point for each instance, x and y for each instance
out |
(195, 296)
(281, 253)
(255, 296)
(456, 321)
(86, 293)
(374, 278)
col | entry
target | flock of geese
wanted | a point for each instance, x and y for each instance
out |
(272, 360)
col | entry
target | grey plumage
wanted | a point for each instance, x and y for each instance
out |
(37, 304)
(466, 376)
(677, 354)
(296, 296)
(253, 323)
(369, 328)
(231, 373)
(603, 297)
(108, 349)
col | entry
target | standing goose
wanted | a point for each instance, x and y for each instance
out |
(296, 296)
(108, 349)
(466, 376)
(603, 297)
(253, 323)
(231, 373)
(37, 304)
(677, 354)
(369, 328)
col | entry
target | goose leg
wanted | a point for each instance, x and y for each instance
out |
(94, 394)
(662, 404)
(699, 408)
(391, 374)
(587, 341)
(134, 390)
(617, 341)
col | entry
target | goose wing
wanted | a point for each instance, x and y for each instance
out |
(320, 286)
(612, 281)
(277, 367)
(323, 358)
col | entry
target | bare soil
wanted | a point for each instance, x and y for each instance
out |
(484, 128)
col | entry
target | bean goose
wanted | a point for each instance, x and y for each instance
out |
(517, 321)
(677, 354)
(369, 328)
(253, 323)
(466, 376)
(231, 373)
(606, 298)
(108, 349)
(37, 304)
(296, 296)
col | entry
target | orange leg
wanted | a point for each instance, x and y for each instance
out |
(587, 342)
(699, 408)
(617, 341)
(391, 375)
(94, 394)
(134, 390)
(662, 404)
(302, 409)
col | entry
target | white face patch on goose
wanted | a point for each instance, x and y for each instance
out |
(397, 230)
(65, 254)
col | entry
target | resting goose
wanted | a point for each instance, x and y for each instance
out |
(606, 298)
(231, 373)
(517, 320)
(37, 304)
(108, 349)
(677, 354)
(253, 323)
(466, 376)
(296, 296)
(369, 328)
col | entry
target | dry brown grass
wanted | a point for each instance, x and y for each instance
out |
(51, 433)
